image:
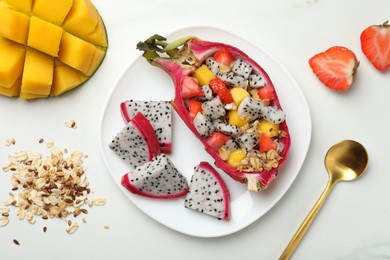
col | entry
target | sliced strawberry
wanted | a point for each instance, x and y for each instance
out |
(190, 88)
(375, 42)
(336, 67)
(266, 143)
(217, 139)
(219, 88)
(224, 57)
(266, 92)
(194, 107)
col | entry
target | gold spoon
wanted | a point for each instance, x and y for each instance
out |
(344, 161)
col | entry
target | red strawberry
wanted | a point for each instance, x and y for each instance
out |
(217, 139)
(336, 67)
(224, 57)
(219, 88)
(375, 42)
(266, 92)
(191, 88)
(266, 143)
(194, 107)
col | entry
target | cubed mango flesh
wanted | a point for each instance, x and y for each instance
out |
(82, 18)
(203, 75)
(234, 119)
(26, 96)
(272, 130)
(14, 25)
(66, 78)
(23, 5)
(236, 157)
(99, 36)
(52, 11)
(70, 48)
(13, 91)
(238, 95)
(11, 62)
(38, 73)
(44, 36)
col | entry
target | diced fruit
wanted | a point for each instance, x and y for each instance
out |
(44, 36)
(224, 57)
(335, 68)
(53, 11)
(270, 129)
(11, 62)
(194, 107)
(203, 75)
(14, 25)
(266, 93)
(191, 88)
(266, 143)
(66, 78)
(37, 26)
(38, 73)
(219, 88)
(82, 13)
(236, 157)
(375, 43)
(216, 140)
(234, 119)
(238, 95)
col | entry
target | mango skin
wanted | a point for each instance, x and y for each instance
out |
(20, 22)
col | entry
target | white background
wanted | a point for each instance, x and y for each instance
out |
(353, 224)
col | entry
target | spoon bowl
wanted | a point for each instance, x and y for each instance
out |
(344, 161)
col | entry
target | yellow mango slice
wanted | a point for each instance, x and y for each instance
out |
(23, 95)
(53, 11)
(236, 157)
(203, 75)
(99, 36)
(238, 95)
(13, 91)
(11, 62)
(44, 36)
(14, 25)
(38, 73)
(272, 130)
(82, 18)
(66, 78)
(96, 61)
(70, 49)
(23, 5)
(234, 119)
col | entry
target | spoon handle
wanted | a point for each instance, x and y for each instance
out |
(306, 223)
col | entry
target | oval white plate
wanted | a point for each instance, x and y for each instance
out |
(141, 81)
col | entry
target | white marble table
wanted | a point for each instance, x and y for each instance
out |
(353, 224)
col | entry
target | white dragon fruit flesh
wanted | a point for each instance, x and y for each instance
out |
(158, 113)
(227, 129)
(248, 140)
(137, 142)
(208, 192)
(191, 57)
(204, 126)
(158, 178)
(214, 108)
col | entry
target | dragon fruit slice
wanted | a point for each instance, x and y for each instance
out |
(158, 178)
(208, 192)
(181, 59)
(159, 115)
(136, 143)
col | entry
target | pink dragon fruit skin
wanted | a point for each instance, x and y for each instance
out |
(186, 61)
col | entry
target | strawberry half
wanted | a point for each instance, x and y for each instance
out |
(219, 88)
(335, 67)
(375, 42)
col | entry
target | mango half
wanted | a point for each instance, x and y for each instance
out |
(48, 47)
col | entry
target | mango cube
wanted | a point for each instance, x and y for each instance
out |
(13, 91)
(272, 130)
(44, 36)
(96, 61)
(23, 5)
(203, 75)
(82, 18)
(25, 96)
(236, 157)
(66, 78)
(99, 36)
(14, 25)
(38, 73)
(234, 119)
(53, 11)
(238, 95)
(11, 62)
(77, 53)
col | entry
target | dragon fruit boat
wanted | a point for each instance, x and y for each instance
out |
(229, 102)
